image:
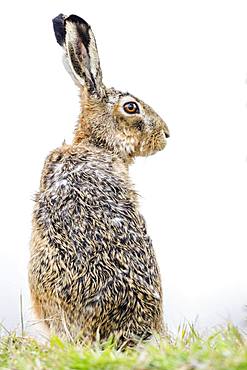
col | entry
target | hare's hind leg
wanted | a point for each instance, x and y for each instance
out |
(49, 319)
(41, 326)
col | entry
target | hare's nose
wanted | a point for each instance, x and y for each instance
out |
(166, 130)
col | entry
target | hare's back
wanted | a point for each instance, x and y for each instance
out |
(87, 202)
(88, 231)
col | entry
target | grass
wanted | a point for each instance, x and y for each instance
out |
(225, 349)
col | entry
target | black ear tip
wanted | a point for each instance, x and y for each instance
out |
(59, 28)
(75, 19)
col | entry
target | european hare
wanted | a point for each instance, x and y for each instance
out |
(92, 271)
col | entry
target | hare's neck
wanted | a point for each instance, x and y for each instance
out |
(83, 130)
(97, 135)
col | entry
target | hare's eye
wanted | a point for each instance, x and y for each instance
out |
(131, 107)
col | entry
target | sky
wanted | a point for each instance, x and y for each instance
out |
(188, 60)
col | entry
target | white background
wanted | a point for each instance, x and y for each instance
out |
(188, 60)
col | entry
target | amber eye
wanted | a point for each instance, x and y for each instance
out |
(131, 107)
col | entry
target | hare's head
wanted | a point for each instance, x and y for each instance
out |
(109, 118)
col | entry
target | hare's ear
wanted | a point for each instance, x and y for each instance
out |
(81, 55)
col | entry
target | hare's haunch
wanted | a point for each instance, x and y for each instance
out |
(92, 270)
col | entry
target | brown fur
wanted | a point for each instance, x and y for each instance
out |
(92, 267)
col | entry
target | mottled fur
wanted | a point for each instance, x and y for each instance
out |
(92, 267)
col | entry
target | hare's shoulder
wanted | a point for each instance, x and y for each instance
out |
(85, 169)
(83, 193)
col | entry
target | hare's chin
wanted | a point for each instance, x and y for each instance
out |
(161, 145)
(162, 142)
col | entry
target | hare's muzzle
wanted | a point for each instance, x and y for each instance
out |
(59, 28)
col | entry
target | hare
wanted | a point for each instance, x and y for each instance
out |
(92, 270)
